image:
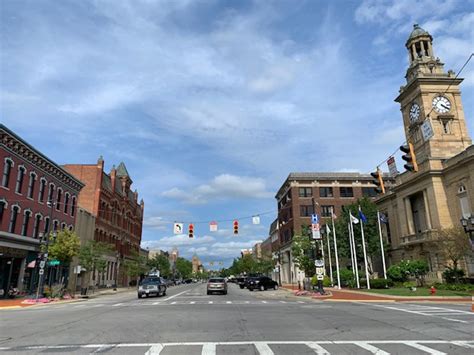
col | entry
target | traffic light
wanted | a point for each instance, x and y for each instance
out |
(191, 231)
(236, 227)
(378, 176)
(409, 157)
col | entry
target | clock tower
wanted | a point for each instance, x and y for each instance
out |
(431, 98)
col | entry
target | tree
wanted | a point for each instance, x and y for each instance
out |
(63, 247)
(160, 262)
(184, 267)
(455, 245)
(301, 248)
(136, 266)
(92, 256)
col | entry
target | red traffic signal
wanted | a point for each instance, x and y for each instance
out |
(236, 227)
(191, 231)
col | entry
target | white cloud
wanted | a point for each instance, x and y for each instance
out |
(223, 186)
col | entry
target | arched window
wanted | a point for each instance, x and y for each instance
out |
(36, 225)
(63, 226)
(3, 205)
(464, 201)
(7, 168)
(58, 199)
(50, 193)
(41, 189)
(19, 179)
(66, 202)
(73, 206)
(55, 225)
(26, 222)
(31, 185)
(13, 218)
(46, 225)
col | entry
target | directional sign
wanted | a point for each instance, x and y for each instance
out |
(315, 227)
(320, 270)
(41, 271)
(320, 277)
(315, 231)
(213, 226)
(42, 264)
(319, 263)
(178, 228)
(314, 219)
(392, 166)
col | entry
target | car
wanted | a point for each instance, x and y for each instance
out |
(241, 282)
(261, 283)
(152, 286)
(217, 284)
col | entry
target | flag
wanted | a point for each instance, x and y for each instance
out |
(383, 218)
(362, 217)
(328, 230)
(353, 219)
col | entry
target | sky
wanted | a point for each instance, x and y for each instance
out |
(211, 104)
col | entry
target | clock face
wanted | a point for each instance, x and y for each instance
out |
(414, 112)
(441, 104)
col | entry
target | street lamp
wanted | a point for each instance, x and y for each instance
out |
(468, 225)
(44, 256)
(117, 256)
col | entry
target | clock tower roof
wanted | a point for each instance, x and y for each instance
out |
(417, 32)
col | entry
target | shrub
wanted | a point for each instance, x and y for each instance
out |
(380, 283)
(455, 287)
(452, 275)
(327, 281)
(347, 277)
(396, 274)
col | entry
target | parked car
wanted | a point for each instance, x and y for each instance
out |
(261, 283)
(217, 284)
(152, 286)
(241, 282)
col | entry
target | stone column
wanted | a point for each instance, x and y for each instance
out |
(422, 48)
(409, 216)
(430, 49)
(427, 210)
(413, 50)
(21, 275)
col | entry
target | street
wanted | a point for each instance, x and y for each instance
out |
(187, 321)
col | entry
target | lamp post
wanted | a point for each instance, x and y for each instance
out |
(44, 256)
(117, 256)
(468, 225)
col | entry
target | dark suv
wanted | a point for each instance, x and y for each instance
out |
(241, 282)
(261, 283)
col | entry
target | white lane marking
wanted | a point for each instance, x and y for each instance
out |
(211, 302)
(117, 304)
(228, 302)
(264, 302)
(209, 349)
(318, 349)
(104, 347)
(424, 348)
(263, 349)
(282, 301)
(173, 302)
(371, 348)
(300, 302)
(464, 344)
(192, 302)
(247, 302)
(155, 303)
(97, 305)
(455, 320)
(155, 350)
(171, 297)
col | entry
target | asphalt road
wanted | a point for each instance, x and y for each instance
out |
(187, 321)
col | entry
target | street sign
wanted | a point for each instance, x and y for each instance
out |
(319, 263)
(178, 228)
(315, 231)
(41, 271)
(320, 277)
(42, 264)
(392, 166)
(54, 262)
(315, 227)
(314, 219)
(316, 235)
(213, 226)
(320, 270)
(427, 130)
(255, 219)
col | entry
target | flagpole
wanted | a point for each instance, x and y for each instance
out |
(350, 247)
(355, 254)
(322, 252)
(365, 253)
(335, 251)
(329, 256)
(381, 247)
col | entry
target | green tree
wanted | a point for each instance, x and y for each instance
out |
(93, 256)
(63, 247)
(184, 267)
(301, 248)
(455, 245)
(160, 262)
(136, 265)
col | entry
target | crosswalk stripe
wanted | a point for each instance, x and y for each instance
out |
(117, 304)
(424, 348)
(208, 349)
(192, 302)
(229, 302)
(264, 302)
(154, 350)
(282, 301)
(211, 302)
(318, 349)
(174, 302)
(371, 348)
(155, 303)
(263, 349)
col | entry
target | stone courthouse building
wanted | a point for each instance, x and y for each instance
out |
(442, 191)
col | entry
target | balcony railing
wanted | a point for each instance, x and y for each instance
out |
(422, 237)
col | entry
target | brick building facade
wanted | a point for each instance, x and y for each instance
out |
(29, 180)
(118, 215)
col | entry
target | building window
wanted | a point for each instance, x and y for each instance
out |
(46, 225)
(464, 201)
(73, 206)
(41, 190)
(26, 222)
(305, 191)
(63, 226)
(7, 168)
(369, 191)
(346, 191)
(446, 126)
(325, 191)
(326, 211)
(13, 218)
(3, 204)
(50, 193)
(55, 225)
(66, 202)
(36, 226)
(31, 185)
(306, 211)
(19, 179)
(58, 199)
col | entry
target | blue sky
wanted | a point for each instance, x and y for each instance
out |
(211, 104)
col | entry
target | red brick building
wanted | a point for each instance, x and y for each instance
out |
(29, 180)
(119, 215)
